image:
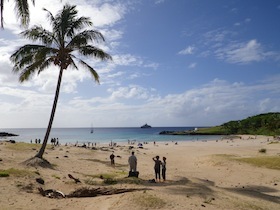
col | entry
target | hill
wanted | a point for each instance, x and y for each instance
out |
(262, 124)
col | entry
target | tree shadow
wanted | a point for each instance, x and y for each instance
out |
(256, 191)
(38, 162)
(196, 187)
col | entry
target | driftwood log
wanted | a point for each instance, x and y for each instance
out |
(75, 179)
(86, 192)
(93, 192)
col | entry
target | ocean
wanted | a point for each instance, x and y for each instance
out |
(104, 135)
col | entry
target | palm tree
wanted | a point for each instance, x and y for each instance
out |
(57, 48)
(21, 9)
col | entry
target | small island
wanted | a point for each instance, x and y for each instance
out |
(5, 134)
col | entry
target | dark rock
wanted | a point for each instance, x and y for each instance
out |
(40, 181)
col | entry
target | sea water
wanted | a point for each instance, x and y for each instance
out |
(105, 135)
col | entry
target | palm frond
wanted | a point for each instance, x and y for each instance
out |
(65, 31)
(82, 39)
(1, 12)
(21, 10)
(63, 21)
(29, 54)
(90, 50)
(27, 72)
(38, 33)
(72, 62)
(91, 70)
(45, 64)
(24, 51)
(77, 25)
(49, 15)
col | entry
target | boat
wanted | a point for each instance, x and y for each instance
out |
(146, 126)
(91, 131)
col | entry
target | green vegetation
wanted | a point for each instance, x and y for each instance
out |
(262, 150)
(262, 124)
(15, 172)
(21, 146)
(4, 174)
(112, 178)
(149, 201)
(216, 130)
(110, 181)
(56, 176)
(272, 162)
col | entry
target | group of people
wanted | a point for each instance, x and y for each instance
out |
(54, 141)
(37, 141)
(159, 167)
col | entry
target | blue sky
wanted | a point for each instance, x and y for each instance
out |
(175, 63)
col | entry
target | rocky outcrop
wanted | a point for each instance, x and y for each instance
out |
(5, 134)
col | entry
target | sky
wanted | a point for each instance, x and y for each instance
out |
(175, 63)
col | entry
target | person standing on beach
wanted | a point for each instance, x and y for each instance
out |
(157, 167)
(163, 170)
(132, 160)
(112, 157)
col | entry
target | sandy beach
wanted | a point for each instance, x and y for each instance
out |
(200, 175)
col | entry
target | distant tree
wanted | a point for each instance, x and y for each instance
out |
(263, 124)
(21, 10)
(58, 47)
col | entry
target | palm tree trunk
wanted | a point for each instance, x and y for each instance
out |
(43, 147)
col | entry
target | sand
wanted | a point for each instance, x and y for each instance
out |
(200, 175)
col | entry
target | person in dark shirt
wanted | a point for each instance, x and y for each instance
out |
(157, 167)
(112, 157)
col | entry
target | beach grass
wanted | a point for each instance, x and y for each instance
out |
(211, 130)
(16, 172)
(117, 177)
(271, 162)
(21, 146)
(56, 176)
(149, 201)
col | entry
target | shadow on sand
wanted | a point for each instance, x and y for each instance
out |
(259, 192)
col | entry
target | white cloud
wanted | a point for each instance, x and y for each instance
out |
(159, 1)
(132, 91)
(187, 51)
(101, 13)
(242, 53)
(247, 20)
(192, 65)
(211, 104)
(127, 60)
(151, 65)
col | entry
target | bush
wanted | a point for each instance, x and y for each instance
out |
(262, 150)
(4, 174)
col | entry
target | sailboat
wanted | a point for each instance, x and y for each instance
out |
(91, 131)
